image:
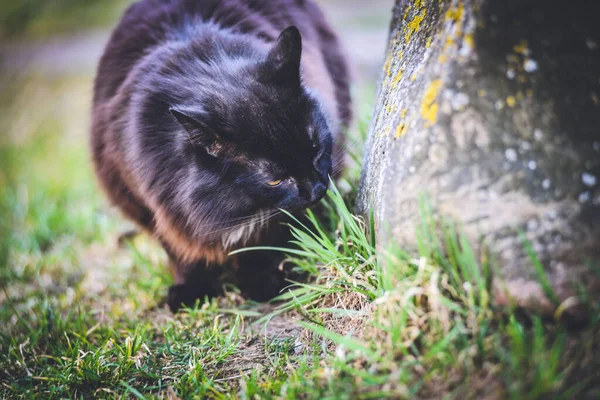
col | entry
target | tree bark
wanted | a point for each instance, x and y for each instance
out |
(491, 108)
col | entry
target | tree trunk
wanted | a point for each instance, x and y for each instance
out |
(491, 108)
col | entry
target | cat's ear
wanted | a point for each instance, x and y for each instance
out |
(198, 133)
(283, 60)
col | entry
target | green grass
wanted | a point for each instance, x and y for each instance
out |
(38, 18)
(81, 317)
(425, 324)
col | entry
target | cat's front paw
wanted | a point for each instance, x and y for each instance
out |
(263, 286)
(180, 296)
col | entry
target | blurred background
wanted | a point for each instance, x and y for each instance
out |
(50, 205)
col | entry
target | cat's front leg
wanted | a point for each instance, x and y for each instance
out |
(193, 282)
(261, 275)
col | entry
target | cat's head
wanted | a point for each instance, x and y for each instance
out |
(260, 133)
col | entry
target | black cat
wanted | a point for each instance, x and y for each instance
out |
(210, 116)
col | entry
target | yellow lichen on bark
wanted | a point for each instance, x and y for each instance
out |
(429, 106)
(388, 65)
(456, 13)
(414, 25)
(511, 101)
(469, 40)
(397, 77)
(401, 130)
(522, 48)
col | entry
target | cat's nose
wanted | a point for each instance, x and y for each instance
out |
(312, 191)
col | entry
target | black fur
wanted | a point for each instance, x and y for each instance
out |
(200, 108)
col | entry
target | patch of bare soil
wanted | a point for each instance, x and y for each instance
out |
(253, 355)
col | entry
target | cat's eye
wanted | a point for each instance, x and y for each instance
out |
(275, 182)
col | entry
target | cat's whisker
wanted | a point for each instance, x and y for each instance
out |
(243, 219)
(338, 165)
(237, 220)
(352, 147)
(338, 168)
(226, 225)
(261, 224)
(250, 220)
(339, 161)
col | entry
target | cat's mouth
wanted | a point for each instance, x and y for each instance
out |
(319, 195)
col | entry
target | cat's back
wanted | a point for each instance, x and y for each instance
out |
(134, 54)
(151, 23)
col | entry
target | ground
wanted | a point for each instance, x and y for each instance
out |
(83, 316)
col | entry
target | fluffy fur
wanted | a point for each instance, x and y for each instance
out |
(211, 115)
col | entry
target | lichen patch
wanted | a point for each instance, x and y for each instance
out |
(414, 25)
(429, 105)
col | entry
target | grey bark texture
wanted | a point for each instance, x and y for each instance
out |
(491, 108)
